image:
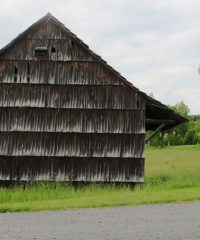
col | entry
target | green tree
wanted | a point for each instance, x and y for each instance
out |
(181, 108)
(193, 133)
(176, 136)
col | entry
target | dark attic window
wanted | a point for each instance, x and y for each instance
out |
(41, 51)
(73, 43)
(53, 50)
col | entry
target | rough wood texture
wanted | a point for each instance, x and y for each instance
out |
(69, 96)
(47, 72)
(63, 115)
(72, 120)
(69, 169)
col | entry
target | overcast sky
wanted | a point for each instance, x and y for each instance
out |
(155, 44)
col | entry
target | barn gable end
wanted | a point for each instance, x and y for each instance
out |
(65, 115)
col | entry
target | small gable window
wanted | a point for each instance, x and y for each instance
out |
(72, 43)
(41, 51)
(53, 50)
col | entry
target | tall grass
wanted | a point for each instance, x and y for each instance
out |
(172, 174)
(176, 167)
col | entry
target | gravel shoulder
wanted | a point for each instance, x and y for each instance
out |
(167, 221)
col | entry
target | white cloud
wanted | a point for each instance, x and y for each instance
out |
(154, 43)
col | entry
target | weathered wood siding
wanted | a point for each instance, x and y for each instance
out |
(64, 116)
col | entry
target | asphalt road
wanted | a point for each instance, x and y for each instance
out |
(168, 221)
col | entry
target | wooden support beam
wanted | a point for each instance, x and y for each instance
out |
(159, 121)
(156, 131)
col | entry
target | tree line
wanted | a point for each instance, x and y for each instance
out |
(185, 134)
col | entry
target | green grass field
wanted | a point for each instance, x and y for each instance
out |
(172, 174)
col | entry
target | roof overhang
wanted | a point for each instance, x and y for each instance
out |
(158, 114)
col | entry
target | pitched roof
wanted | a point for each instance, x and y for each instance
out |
(155, 110)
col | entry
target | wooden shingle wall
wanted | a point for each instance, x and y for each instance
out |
(64, 116)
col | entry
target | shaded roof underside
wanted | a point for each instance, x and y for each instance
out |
(156, 112)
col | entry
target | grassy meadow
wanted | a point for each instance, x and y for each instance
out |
(172, 174)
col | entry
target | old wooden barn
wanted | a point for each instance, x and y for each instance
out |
(66, 115)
